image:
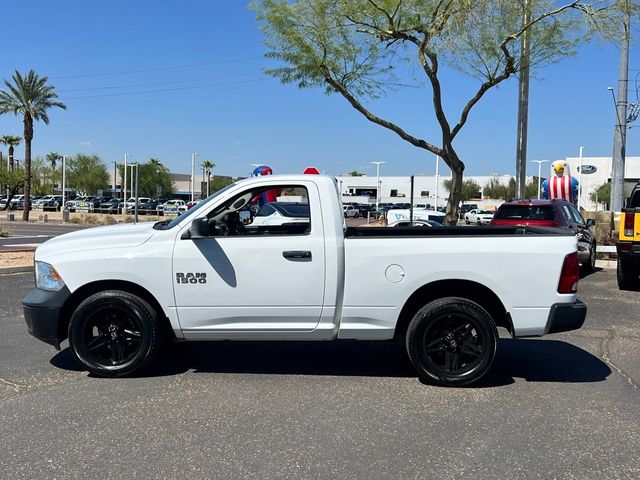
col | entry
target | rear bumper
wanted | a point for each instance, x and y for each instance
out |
(42, 313)
(564, 317)
(629, 250)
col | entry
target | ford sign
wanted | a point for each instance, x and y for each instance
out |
(588, 169)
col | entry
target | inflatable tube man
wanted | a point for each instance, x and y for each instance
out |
(269, 195)
(560, 183)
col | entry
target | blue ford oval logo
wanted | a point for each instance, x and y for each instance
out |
(587, 169)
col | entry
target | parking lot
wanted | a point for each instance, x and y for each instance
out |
(563, 406)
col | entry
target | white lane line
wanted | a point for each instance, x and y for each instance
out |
(25, 245)
(32, 236)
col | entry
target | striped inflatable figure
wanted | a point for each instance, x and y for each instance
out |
(560, 183)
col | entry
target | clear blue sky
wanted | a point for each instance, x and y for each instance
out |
(233, 114)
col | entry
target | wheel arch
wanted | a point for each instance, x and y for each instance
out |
(467, 289)
(85, 291)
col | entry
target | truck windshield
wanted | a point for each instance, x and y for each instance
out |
(167, 225)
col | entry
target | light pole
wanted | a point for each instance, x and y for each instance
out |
(539, 162)
(377, 164)
(193, 174)
(124, 183)
(64, 181)
(134, 193)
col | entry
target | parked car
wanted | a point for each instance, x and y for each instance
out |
(150, 207)
(416, 223)
(280, 213)
(464, 208)
(52, 203)
(365, 208)
(628, 243)
(173, 207)
(17, 202)
(477, 216)
(551, 213)
(350, 211)
(110, 206)
(422, 206)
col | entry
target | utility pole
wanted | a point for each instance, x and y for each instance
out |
(620, 132)
(580, 178)
(124, 185)
(377, 164)
(523, 105)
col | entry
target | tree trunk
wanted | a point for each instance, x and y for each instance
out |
(450, 157)
(11, 157)
(28, 136)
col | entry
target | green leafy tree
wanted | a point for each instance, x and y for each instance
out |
(11, 141)
(12, 181)
(355, 173)
(220, 181)
(470, 189)
(40, 173)
(602, 196)
(496, 189)
(87, 174)
(30, 96)
(361, 49)
(151, 175)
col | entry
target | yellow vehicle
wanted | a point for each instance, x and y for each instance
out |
(628, 244)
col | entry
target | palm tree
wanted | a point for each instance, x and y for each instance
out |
(31, 97)
(53, 157)
(207, 166)
(156, 163)
(12, 141)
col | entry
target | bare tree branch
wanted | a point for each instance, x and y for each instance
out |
(417, 142)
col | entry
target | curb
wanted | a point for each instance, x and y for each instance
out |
(9, 270)
(606, 263)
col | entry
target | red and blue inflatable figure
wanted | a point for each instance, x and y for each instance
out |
(560, 183)
(269, 195)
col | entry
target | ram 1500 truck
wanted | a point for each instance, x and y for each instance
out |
(219, 272)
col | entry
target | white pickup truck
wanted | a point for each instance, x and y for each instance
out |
(118, 291)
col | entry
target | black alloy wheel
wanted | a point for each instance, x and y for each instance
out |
(114, 333)
(452, 342)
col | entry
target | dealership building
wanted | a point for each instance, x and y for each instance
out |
(430, 189)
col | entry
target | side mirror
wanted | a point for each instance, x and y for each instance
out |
(199, 228)
(591, 223)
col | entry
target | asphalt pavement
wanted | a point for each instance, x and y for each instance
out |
(562, 406)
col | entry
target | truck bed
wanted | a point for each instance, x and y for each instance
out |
(497, 231)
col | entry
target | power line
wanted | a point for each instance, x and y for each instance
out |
(167, 89)
(155, 69)
(113, 87)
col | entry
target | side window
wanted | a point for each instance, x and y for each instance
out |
(274, 210)
(568, 214)
(576, 215)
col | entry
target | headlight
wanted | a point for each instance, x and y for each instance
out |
(47, 278)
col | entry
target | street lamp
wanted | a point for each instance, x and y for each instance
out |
(124, 183)
(135, 195)
(539, 162)
(193, 174)
(377, 164)
(437, 180)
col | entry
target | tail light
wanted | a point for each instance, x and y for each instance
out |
(570, 274)
(629, 220)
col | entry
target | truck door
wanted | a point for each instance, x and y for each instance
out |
(262, 268)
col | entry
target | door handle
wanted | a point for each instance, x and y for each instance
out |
(297, 255)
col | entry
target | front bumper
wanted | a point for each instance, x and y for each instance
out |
(43, 312)
(564, 317)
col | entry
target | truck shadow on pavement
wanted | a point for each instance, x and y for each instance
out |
(534, 360)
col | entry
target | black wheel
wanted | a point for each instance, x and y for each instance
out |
(590, 266)
(627, 275)
(452, 342)
(114, 333)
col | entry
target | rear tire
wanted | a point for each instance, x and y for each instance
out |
(114, 333)
(452, 342)
(627, 275)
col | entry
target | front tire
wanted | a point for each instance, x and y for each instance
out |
(452, 342)
(590, 266)
(114, 333)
